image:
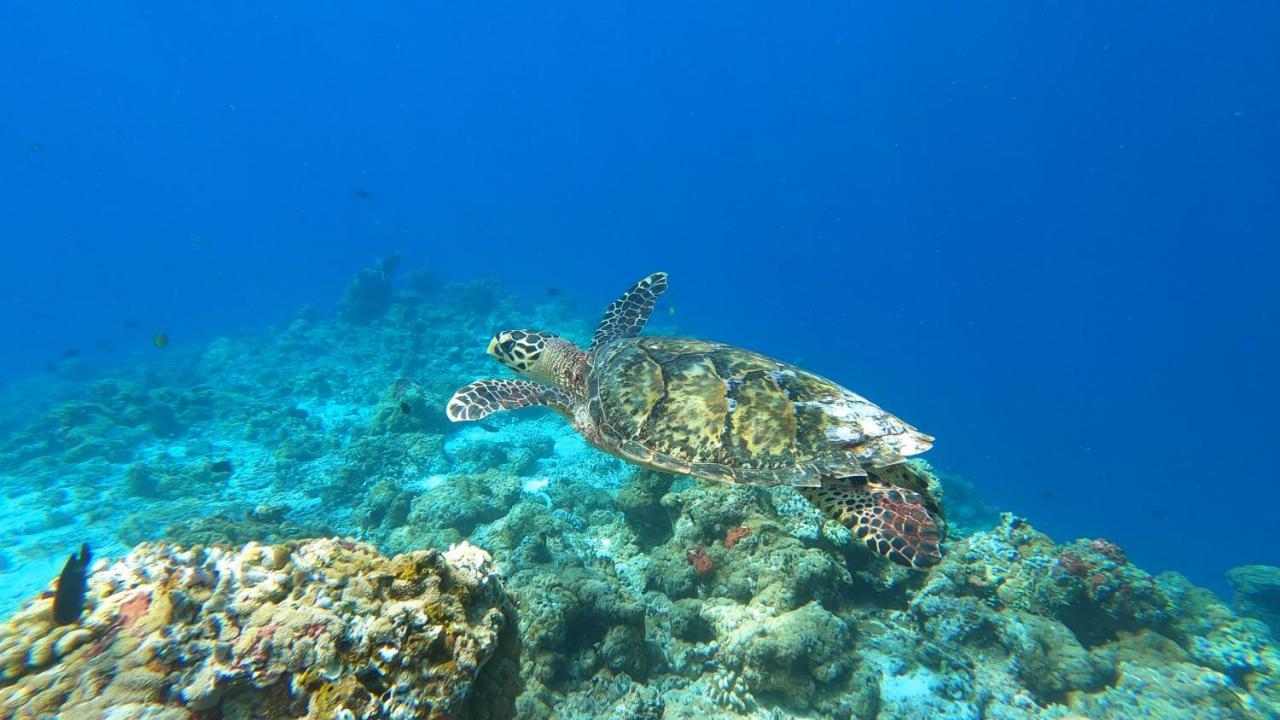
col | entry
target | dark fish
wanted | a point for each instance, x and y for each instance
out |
(221, 466)
(487, 427)
(36, 147)
(553, 292)
(130, 324)
(406, 408)
(69, 353)
(161, 340)
(297, 412)
(102, 344)
(363, 194)
(68, 600)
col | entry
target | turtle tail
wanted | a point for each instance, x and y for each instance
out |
(892, 522)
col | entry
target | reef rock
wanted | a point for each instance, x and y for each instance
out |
(1258, 593)
(318, 629)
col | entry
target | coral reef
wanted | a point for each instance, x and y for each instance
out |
(628, 593)
(318, 629)
(368, 295)
(1257, 589)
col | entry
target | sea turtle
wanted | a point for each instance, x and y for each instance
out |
(722, 413)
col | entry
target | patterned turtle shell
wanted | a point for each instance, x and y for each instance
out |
(723, 413)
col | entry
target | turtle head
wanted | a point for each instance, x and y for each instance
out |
(520, 350)
(536, 355)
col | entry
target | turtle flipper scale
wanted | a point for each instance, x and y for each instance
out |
(485, 397)
(626, 316)
(891, 521)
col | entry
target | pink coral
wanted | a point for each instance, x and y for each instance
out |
(700, 560)
(1073, 564)
(735, 535)
(1109, 550)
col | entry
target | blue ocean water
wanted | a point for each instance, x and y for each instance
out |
(1044, 233)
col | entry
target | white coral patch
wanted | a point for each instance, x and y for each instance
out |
(468, 562)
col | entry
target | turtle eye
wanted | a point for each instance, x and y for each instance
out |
(507, 347)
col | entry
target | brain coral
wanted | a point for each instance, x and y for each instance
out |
(316, 629)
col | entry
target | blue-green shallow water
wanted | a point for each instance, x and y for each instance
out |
(1040, 235)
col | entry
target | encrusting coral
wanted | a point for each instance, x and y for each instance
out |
(317, 629)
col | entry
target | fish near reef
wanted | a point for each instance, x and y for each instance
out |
(721, 413)
(68, 600)
(161, 340)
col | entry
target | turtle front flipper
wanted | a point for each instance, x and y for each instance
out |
(485, 397)
(891, 521)
(626, 316)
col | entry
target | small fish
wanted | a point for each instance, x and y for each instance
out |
(487, 427)
(68, 600)
(199, 241)
(36, 147)
(406, 408)
(221, 466)
(69, 353)
(161, 340)
(363, 194)
(297, 412)
(129, 324)
(553, 292)
(671, 311)
(102, 344)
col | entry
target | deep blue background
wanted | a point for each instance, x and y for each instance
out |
(1043, 233)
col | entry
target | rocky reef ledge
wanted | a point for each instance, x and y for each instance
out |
(323, 628)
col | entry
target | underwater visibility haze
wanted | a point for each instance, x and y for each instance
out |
(953, 397)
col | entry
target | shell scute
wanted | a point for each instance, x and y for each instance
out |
(763, 423)
(634, 386)
(690, 418)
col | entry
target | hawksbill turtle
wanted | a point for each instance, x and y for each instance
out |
(721, 413)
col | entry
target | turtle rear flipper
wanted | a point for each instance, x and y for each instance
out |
(891, 521)
(626, 316)
(485, 397)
